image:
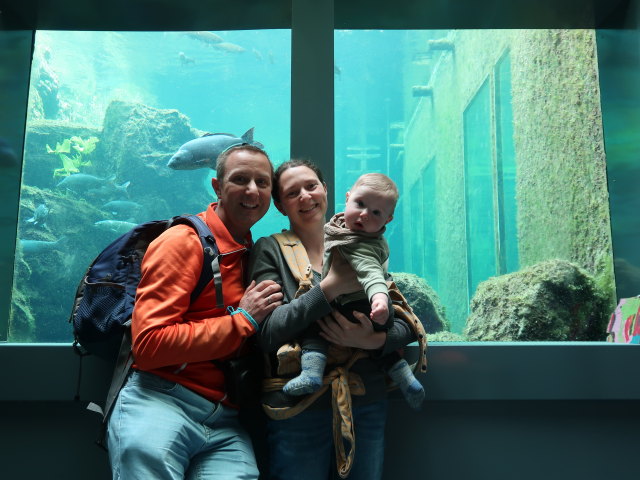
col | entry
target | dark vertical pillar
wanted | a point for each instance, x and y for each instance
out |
(312, 86)
(15, 65)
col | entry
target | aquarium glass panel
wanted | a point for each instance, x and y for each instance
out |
(478, 182)
(507, 237)
(108, 114)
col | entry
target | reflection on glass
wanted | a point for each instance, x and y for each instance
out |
(107, 112)
(515, 211)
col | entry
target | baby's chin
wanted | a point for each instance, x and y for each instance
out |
(356, 228)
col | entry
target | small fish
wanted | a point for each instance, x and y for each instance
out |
(257, 54)
(208, 38)
(40, 246)
(39, 216)
(184, 60)
(85, 183)
(122, 208)
(115, 226)
(203, 152)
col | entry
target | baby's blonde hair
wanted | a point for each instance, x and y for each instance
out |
(380, 183)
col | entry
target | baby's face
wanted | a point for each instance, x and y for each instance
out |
(367, 210)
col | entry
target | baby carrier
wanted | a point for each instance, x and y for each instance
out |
(342, 382)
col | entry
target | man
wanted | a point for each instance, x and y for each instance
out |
(172, 419)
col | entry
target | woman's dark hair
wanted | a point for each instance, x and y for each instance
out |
(294, 162)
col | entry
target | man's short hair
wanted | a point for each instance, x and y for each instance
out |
(221, 161)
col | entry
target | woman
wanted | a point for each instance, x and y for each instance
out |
(302, 446)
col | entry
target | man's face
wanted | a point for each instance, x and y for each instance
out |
(367, 210)
(244, 194)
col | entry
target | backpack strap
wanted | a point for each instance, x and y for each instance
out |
(297, 259)
(211, 264)
(124, 361)
(403, 310)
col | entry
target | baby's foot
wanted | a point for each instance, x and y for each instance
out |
(303, 384)
(310, 379)
(409, 385)
(414, 394)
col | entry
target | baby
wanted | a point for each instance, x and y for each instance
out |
(357, 235)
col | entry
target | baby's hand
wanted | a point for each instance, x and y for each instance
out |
(379, 308)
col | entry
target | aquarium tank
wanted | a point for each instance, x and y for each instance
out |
(498, 140)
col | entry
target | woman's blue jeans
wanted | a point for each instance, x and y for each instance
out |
(302, 447)
(160, 430)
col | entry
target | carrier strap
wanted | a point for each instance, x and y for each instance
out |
(297, 259)
(343, 384)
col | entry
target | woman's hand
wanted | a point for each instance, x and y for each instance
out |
(341, 331)
(340, 279)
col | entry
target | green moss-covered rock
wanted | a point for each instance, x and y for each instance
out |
(550, 301)
(47, 273)
(423, 300)
(22, 323)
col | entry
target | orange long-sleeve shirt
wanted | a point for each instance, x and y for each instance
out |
(175, 339)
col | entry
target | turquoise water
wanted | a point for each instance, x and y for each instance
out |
(463, 215)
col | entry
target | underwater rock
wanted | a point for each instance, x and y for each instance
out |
(138, 141)
(45, 279)
(423, 300)
(553, 300)
(22, 323)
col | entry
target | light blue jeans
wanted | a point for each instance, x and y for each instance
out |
(160, 430)
(301, 447)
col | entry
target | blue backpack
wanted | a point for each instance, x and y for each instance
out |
(104, 300)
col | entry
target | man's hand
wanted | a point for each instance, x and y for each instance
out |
(261, 299)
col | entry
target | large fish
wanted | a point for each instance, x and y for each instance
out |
(203, 152)
(123, 208)
(41, 246)
(115, 226)
(229, 47)
(208, 38)
(84, 183)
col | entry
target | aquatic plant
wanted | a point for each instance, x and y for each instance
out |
(72, 163)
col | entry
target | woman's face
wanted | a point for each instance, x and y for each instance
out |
(303, 198)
